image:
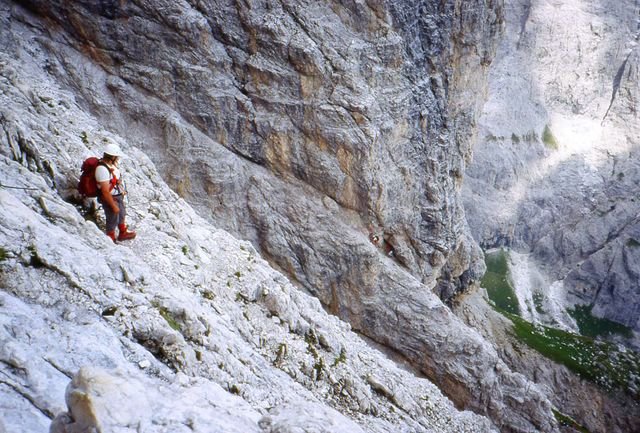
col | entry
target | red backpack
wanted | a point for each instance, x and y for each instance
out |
(87, 186)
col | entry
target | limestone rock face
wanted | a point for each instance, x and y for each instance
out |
(185, 328)
(556, 168)
(308, 128)
(258, 112)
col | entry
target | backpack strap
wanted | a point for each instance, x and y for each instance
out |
(113, 182)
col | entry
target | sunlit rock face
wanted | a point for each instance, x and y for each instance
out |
(556, 168)
(307, 128)
(300, 125)
(185, 328)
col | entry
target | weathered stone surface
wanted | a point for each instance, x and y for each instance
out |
(569, 195)
(171, 325)
(369, 104)
(569, 202)
(300, 128)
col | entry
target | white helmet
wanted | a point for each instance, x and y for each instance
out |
(113, 149)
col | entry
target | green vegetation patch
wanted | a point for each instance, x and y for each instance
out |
(632, 243)
(498, 282)
(342, 358)
(600, 362)
(319, 367)
(592, 326)
(566, 421)
(166, 315)
(538, 301)
(608, 365)
(549, 139)
(3, 254)
(208, 294)
(34, 259)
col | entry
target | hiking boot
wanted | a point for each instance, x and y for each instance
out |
(125, 234)
(112, 235)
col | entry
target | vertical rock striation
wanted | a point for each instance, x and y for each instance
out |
(557, 168)
(368, 105)
(556, 176)
(310, 128)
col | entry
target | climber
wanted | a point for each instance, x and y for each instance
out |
(112, 192)
(380, 241)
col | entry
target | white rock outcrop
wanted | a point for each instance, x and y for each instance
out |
(184, 328)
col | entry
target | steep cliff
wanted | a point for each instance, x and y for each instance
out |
(555, 177)
(367, 105)
(556, 169)
(184, 329)
(307, 128)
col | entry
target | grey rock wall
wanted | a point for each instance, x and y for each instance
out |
(185, 328)
(556, 168)
(308, 128)
(368, 105)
